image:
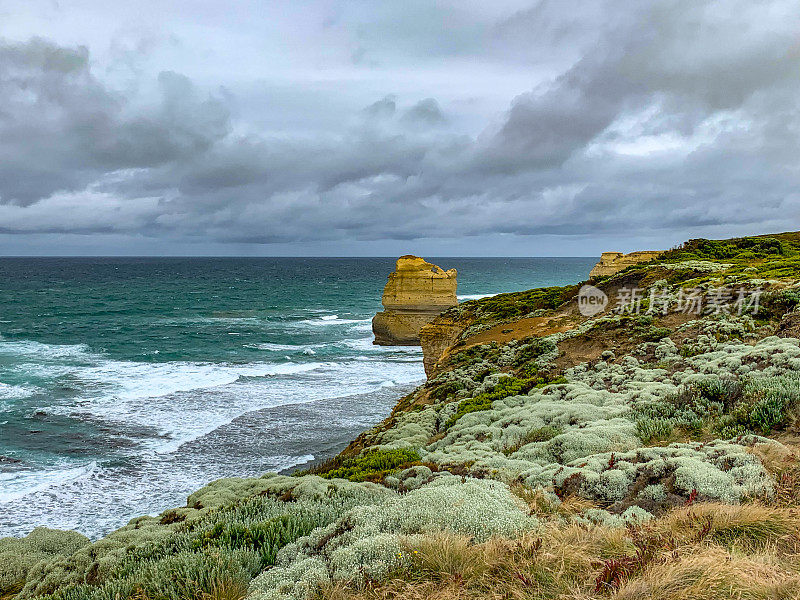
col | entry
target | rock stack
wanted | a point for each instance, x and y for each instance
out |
(416, 293)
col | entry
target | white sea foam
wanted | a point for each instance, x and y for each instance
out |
(14, 392)
(176, 399)
(97, 499)
(365, 345)
(365, 325)
(270, 347)
(474, 297)
(274, 347)
(44, 351)
(162, 406)
(16, 485)
(333, 320)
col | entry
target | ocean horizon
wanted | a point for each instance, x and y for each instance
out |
(128, 382)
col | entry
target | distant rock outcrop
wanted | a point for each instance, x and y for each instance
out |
(415, 294)
(613, 262)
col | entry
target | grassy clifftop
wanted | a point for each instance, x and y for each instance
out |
(647, 450)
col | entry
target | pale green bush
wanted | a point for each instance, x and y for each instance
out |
(229, 504)
(19, 556)
(366, 542)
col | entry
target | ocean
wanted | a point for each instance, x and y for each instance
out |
(128, 383)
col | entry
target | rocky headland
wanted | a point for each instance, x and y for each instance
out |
(649, 450)
(416, 293)
(611, 263)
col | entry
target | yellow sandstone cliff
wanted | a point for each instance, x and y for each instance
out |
(416, 293)
(614, 262)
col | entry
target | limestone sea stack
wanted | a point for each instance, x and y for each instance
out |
(416, 293)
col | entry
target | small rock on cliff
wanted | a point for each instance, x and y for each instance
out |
(417, 291)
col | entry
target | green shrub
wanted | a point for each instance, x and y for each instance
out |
(749, 247)
(777, 268)
(224, 548)
(476, 354)
(540, 434)
(654, 429)
(777, 304)
(768, 402)
(264, 538)
(507, 386)
(447, 389)
(470, 405)
(504, 307)
(183, 576)
(372, 464)
(532, 350)
(18, 556)
(725, 391)
(654, 334)
(369, 544)
(730, 407)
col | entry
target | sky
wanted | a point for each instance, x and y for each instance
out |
(380, 128)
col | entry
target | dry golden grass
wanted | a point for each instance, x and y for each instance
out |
(783, 463)
(746, 526)
(711, 573)
(542, 506)
(226, 588)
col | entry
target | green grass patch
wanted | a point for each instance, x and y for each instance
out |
(505, 307)
(372, 465)
(746, 248)
(507, 386)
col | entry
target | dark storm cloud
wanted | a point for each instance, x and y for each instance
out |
(671, 116)
(425, 113)
(62, 129)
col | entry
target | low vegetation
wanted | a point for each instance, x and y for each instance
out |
(371, 465)
(506, 307)
(505, 387)
(695, 552)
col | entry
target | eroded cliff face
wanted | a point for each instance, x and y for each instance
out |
(436, 338)
(613, 262)
(416, 293)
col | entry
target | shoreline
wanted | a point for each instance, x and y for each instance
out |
(351, 416)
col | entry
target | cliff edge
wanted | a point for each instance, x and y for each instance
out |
(612, 263)
(416, 293)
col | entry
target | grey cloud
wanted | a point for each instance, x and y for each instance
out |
(425, 113)
(61, 128)
(666, 118)
(382, 109)
(674, 53)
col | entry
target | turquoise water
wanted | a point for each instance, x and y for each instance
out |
(126, 383)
